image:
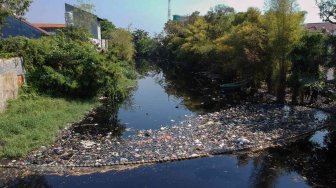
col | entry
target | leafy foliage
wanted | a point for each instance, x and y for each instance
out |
(284, 28)
(144, 44)
(107, 28)
(68, 64)
(16, 7)
(307, 56)
(327, 10)
(331, 43)
(250, 45)
(223, 39)
(120, 41)
(121, 45)
(13, 7)
(249, 40)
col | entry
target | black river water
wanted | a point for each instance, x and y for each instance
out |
(165, 97)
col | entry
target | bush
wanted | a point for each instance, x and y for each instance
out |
(68, 64)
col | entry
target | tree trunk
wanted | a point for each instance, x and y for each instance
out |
(295, 94)
(296, 86)
(269, 82)
(281, 90)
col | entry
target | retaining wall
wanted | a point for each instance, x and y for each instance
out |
(11, 74)
(8, 88)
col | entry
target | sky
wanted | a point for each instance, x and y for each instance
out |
(149, 15)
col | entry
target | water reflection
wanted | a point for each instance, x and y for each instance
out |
(165, 95)
(314, 163)
(152, 106)
(104, 120)
(146, 68)
(189, 85)
(29, 182)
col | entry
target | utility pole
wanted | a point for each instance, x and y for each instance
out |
(169, 10)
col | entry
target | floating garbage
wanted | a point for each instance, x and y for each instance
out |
(230, 129)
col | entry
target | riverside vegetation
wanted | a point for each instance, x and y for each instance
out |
(33, 121)
(273, 50)
(66, 74)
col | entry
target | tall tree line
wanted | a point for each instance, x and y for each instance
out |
(265, 48)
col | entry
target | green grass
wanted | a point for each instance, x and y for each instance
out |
(32, 122)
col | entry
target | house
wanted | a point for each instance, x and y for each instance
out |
(15, 26)
(324, 27)
(80, 18)
(50, 28)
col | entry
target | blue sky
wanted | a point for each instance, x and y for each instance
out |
(149, 15)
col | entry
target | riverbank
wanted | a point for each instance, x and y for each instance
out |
(34, 121)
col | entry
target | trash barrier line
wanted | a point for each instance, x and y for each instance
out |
(212, 153)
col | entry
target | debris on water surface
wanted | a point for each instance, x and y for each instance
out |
(230, 129)
(87, 144)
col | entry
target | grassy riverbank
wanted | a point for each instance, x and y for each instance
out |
(32, 122)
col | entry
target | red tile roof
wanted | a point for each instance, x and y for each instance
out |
(41, 25)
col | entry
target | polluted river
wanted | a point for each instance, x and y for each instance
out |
(169, 117)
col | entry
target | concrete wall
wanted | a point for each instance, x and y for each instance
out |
(8, 88)
(11, 65)
(10, 69)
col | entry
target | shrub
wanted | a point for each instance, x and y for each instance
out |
(68, 64)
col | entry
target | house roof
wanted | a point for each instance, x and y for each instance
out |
(329, 27)
(48, 25)
(32, 25)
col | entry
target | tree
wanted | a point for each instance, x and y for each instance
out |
(327, 10)
(121, 47)
(331, 43)
(69, 64)
(307, 56)
(75, 33)
(196, 44)
(219, 19)
(249, 40)
(16, 7)
(143, 43)
(188, 40)
(107, 28)
(284, 25)
(13, 7)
